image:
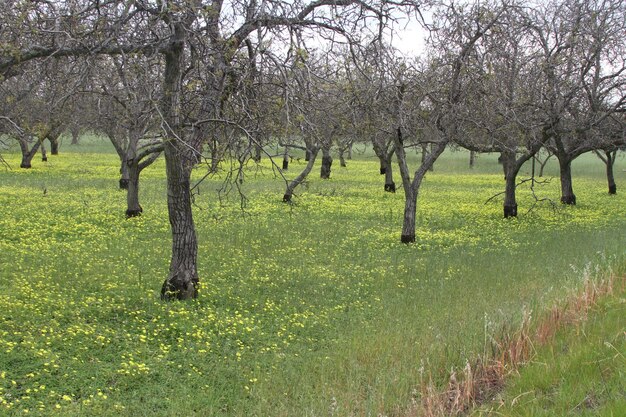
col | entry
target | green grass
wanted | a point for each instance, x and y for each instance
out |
(582, 373)
(305, 310)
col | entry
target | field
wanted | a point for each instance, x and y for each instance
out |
(310, 309)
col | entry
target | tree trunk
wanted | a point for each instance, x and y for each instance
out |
(28, 154)
(327, 162)
(472, 159)
(510, 203)
(300, 178)
(342, 159)
(390, 186)
(383, 165)
(510, 167)
(258, 150)
(408, 223)
(567, 191)
(307, 155)
(54, 143)
(75, 131)
(350, 150)
(610, 161)
(182, 280)
(133, 208)
(124, 173)
(286, 159)
(44, 156)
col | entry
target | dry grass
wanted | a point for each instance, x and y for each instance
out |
(482, 378)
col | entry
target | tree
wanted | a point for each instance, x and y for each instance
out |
(198, 41)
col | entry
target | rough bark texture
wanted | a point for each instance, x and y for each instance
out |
(307, 155)
(182, 280)
(327, 162)
(567, 190)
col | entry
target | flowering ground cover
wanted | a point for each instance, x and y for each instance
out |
(307, 309)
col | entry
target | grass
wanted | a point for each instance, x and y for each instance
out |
(305, 310)
(581, 373)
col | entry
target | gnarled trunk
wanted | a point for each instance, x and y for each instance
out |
(44, 155)
(300, 178)
(28, 154)
(567, 190)
(327, 162)
(182, 280)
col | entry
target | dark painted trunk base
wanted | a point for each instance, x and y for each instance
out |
(390, 188)
(287, 198)
(133, 213)
(45, 159)
(407, 238)
(285, 165)
(569, 199)
(612, 189)
(26, 165)
(510, 211)
(123, 184)
(383, 170)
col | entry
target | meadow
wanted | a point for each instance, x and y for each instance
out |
(309, 309)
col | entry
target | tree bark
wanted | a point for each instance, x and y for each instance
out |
(28, 154)
(390, 185)
(510, 167)
(124, 173)
(182, 280)
(567, 190)
(510, 203)
(327, 162)
(54, 143)
(286, 159)
(133, 208)
(300, 178)
(610, 162)
(408, 223)
(472, 159)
